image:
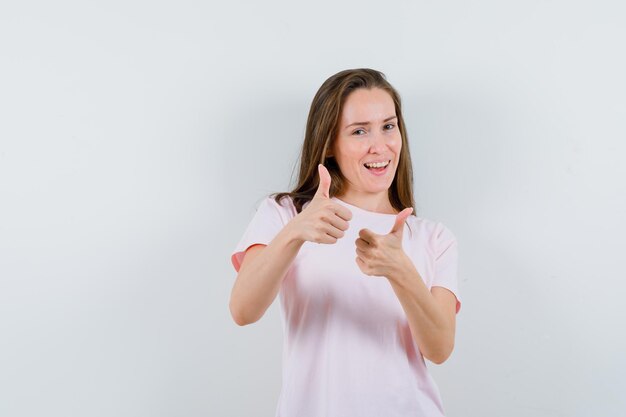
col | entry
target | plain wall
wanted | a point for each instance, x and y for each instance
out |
(137, 139)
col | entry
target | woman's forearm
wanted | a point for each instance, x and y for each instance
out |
(258, 281)
(431, 330)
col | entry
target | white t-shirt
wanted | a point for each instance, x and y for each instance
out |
(348, 349)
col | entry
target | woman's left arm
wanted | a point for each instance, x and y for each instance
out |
(431, 314)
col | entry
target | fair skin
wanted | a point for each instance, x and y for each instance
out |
(367, 133)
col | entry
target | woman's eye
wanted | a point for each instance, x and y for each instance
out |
(356, 132)
(389, 126)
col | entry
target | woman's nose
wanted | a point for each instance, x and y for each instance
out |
(377, 142)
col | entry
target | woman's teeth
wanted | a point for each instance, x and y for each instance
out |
(377, 164)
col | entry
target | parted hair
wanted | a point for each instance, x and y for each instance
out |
(321, 131)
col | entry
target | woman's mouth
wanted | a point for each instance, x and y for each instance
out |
(377, 168)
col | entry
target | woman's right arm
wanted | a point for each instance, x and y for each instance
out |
(260, 276)
(265, 266)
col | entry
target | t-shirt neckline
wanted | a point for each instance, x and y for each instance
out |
(372, 213)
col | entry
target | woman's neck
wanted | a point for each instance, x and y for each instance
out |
(377, 203)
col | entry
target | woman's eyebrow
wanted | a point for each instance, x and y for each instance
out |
(367, 123)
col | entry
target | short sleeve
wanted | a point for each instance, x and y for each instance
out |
(269, 219)
(446, 261)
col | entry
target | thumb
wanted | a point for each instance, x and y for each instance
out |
(323, 188)
(398, 226)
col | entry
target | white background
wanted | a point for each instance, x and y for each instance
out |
(137, 138)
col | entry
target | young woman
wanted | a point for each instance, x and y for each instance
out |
(367, 288)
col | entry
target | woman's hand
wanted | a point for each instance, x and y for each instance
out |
(382, 255)
(323, 220)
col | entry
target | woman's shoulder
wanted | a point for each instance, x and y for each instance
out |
(422, 222)
(283, 204)
(433, 230)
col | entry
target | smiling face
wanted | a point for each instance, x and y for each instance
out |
(368, 133)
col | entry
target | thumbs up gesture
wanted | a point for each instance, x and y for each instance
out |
(382, 255)
(323, 220)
